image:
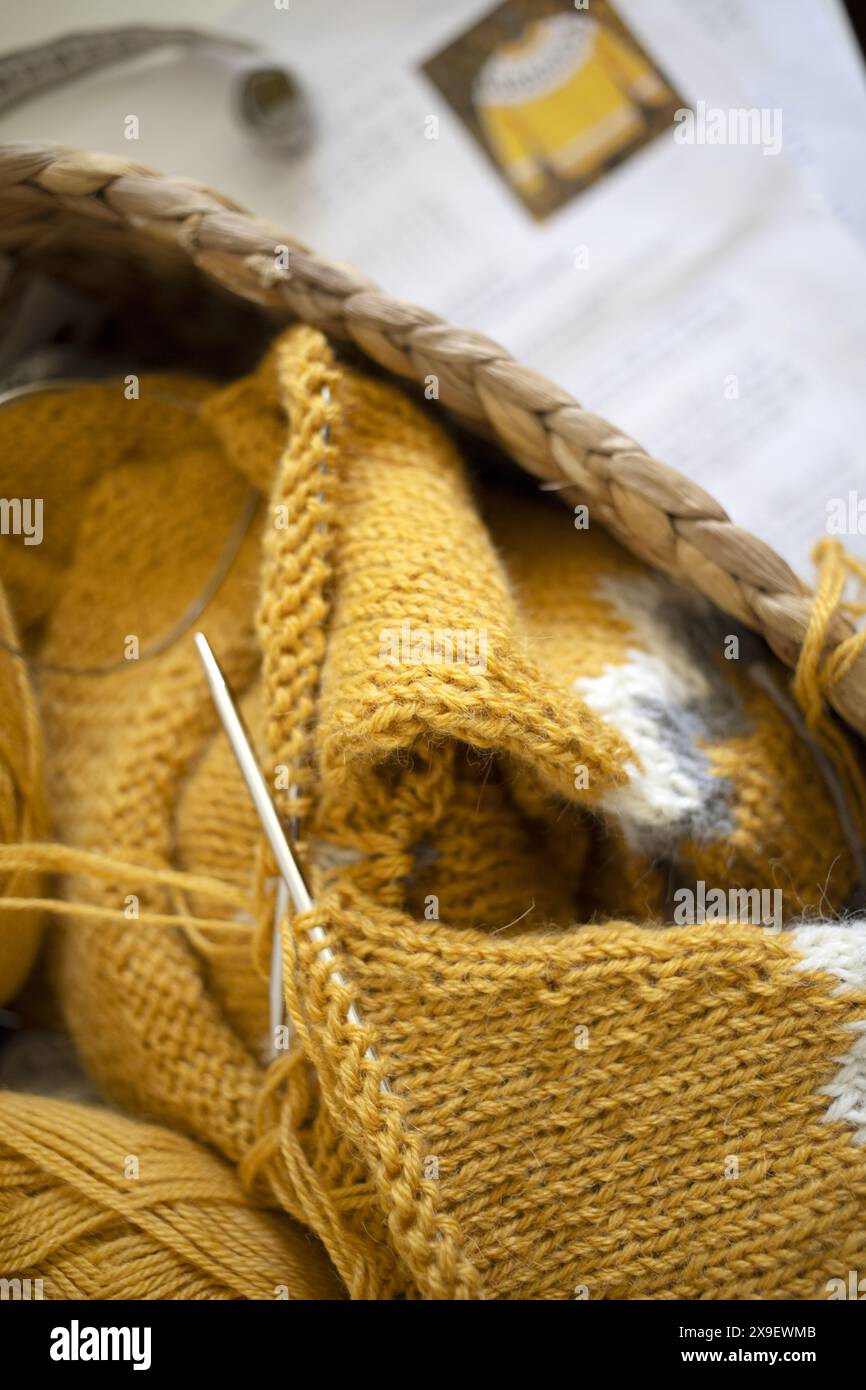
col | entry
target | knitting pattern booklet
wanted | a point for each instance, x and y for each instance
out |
(737, 360)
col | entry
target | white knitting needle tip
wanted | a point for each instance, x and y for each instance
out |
(276, 837)
(251, 774)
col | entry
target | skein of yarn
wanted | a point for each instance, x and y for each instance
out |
(98, 1206)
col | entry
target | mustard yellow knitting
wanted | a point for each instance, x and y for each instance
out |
(511, 750)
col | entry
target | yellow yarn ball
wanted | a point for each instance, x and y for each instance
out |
(98, 1206)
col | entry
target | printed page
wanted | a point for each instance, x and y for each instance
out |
(523, 168)
(802, 56)
(700, 295)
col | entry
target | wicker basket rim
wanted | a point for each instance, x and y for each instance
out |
(660, 515)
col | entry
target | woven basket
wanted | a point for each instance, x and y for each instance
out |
(194, 258)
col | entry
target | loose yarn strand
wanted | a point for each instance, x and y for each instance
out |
(65, 859)
(818, 670)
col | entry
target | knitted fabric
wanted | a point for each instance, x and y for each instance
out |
(22, 809)
(505, 742)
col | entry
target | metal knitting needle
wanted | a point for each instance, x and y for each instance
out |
(261, 797)
(277, 1004)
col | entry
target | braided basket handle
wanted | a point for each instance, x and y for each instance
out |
(661, 516)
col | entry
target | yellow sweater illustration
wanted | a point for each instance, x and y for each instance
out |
(562, 99)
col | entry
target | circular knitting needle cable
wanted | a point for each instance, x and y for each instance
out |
(202, 599)
(267, 813)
